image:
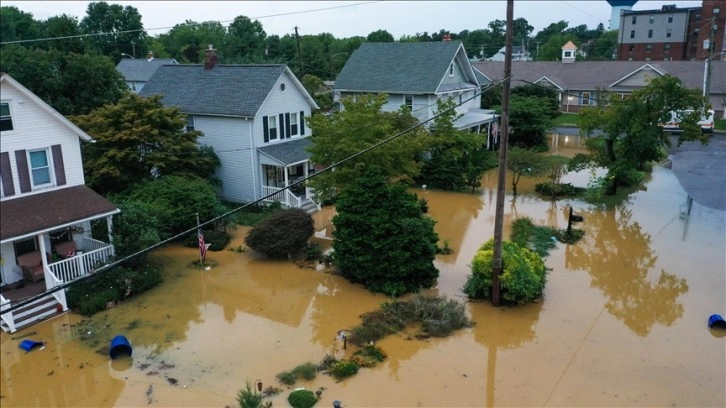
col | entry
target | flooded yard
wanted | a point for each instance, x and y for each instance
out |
(622, 321)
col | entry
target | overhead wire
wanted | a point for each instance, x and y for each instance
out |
(96, 272)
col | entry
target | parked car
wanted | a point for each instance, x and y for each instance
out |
(706, 123)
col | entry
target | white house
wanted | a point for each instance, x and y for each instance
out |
(417, 75)
(137, 71)
(254, 118)
(519, 53)
(46, 211)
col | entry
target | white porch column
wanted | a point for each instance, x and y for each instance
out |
(109, 228)
(44, 260)
(489, 134)
(287, 183)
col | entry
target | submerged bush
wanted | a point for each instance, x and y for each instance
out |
(523, 273)
(249, 397)
(343, 369)
(282, 233)
(302, 399)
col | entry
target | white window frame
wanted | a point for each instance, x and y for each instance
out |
(667, 47)
(191, 123)
(634, 20)
(272, 125)
(9, 116)
(48, 167)
(568, 54)
(670, 18)
(649, 47)
(451, 69)
(632, 33)
(585, 98)
(669, 32)
(406, 102)
(651, 20)
(650, 33)
(294, 124)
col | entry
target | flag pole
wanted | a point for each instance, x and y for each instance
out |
(201, 261)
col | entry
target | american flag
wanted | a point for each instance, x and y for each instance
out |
(202, 245)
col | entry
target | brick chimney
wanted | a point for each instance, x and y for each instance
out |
(150, 55)
(447, 37)
(210, 57)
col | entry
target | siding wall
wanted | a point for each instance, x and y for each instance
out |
(34, 128)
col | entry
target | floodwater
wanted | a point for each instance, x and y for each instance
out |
(622, 321)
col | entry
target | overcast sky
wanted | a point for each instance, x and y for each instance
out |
(352, 18)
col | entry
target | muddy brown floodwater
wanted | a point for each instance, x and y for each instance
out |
(622, 322)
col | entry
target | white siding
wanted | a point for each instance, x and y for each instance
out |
(230, 138)
(290, 100)
(34, 128)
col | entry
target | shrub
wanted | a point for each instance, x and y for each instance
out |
(559, 189)
(327, 362)
(282, 233)
(287, 377)
(218, 238)
(314, 252)
(523, 273)
(302, 399)
(344, 369)
(249, 397)
(306, 371)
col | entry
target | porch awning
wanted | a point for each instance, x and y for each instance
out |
(476, 117)
(37, 213)
(288, 152)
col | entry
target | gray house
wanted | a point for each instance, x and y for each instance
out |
(254, 118)
(417, 75)
(137, 71)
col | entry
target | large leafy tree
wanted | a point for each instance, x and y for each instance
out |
(71, 83)
(186, 42)
(140, 139)
(382, 238)
(633, 135)
(122, 28)
(380, 36)
(16, 25)
(360, 125)
(245, 41)
(63, 26)
(524, 162)
(530, 118)
(282, 234)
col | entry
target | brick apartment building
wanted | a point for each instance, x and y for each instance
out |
(672, 33)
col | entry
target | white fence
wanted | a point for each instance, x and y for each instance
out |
(285, 197)
(81, 264)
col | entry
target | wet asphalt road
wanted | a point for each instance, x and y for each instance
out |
(701, 170)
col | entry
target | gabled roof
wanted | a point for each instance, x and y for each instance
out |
(224, 90)
(644, 67)
(141, 69)
(395, 67)
(569, 46)
(36, 213)
(593, 75)
(5, 78)
(287, 153)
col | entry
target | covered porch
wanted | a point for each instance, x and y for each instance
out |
(45, 244)
(283, 165)
(478, 121)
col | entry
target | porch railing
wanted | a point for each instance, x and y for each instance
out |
(7, 317)
(59, 295)
(285, 197)
(81, 264)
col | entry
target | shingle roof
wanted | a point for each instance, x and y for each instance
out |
(230, 90)
(42, 212)
(592, 75)
(141, 69)
(397, 67)
(289, 152)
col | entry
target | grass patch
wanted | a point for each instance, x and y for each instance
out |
(539, 238)
(720, 124)
(565, 119)
(287, 377)
(306, 371)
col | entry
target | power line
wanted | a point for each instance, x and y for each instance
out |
(107, 267)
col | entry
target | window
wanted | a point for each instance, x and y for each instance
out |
(697, 17)
(282, 87)
(635, 18)
(6, 121)
(647, 58)
(651, 19)
(624, 96)
(39, 167)
(632, 33)
(670, 18)
(461, 98)
(716, 11)
(293, 124)
(631, 48)
(668, 33)
(648, 47)
(568, 54)
(666, 47)
(650, 33)
(696, 31)
(451, 69)
(585, 98)
(408, 100)
(667, 58)
(190, 123)
(272, 126)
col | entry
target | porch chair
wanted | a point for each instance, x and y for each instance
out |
(65, 249)
(32, 266)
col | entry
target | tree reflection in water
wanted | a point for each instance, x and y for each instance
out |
(616, 253)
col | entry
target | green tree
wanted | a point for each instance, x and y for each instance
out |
(380, 36)
(530, 119)
(122, 28)
(139, 139)
(282, 234)
(633, 136)
(360, 125)
(16, 25)
(382, 239)
(538, 91)
(603, 48)
(245, 41)
(524, 162)
(551, 50)
(71, 83)
(186, 42)
(63, 26)
(135, 228)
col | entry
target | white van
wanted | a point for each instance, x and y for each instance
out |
(706, 122)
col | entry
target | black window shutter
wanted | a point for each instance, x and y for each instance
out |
(287, 124)
(7, 174)
(60, 170)
(302, 123)
(23, 171)
(265, 129)
(281, 126)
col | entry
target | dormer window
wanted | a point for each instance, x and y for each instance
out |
(6, 120)
(568, 54)
(451, 69)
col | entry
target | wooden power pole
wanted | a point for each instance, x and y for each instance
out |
(299, 54)
(503, 145)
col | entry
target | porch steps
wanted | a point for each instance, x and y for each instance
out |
(38, 310)
(309, 206)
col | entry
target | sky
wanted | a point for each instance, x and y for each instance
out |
(346, 19)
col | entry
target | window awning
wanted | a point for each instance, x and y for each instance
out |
(288, 153)
(476, 117)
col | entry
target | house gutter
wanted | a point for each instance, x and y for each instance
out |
(55, 227)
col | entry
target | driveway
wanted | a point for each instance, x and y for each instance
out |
(701, 170)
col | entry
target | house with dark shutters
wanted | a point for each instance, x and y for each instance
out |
(254, 118)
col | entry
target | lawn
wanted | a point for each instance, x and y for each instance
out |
(720, 124)
(565, 119)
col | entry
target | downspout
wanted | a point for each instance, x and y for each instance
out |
(255, 173)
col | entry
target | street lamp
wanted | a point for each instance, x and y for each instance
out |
(123, 54)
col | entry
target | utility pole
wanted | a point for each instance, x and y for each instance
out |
(299, 54)
(709, 57)
(503, 144)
